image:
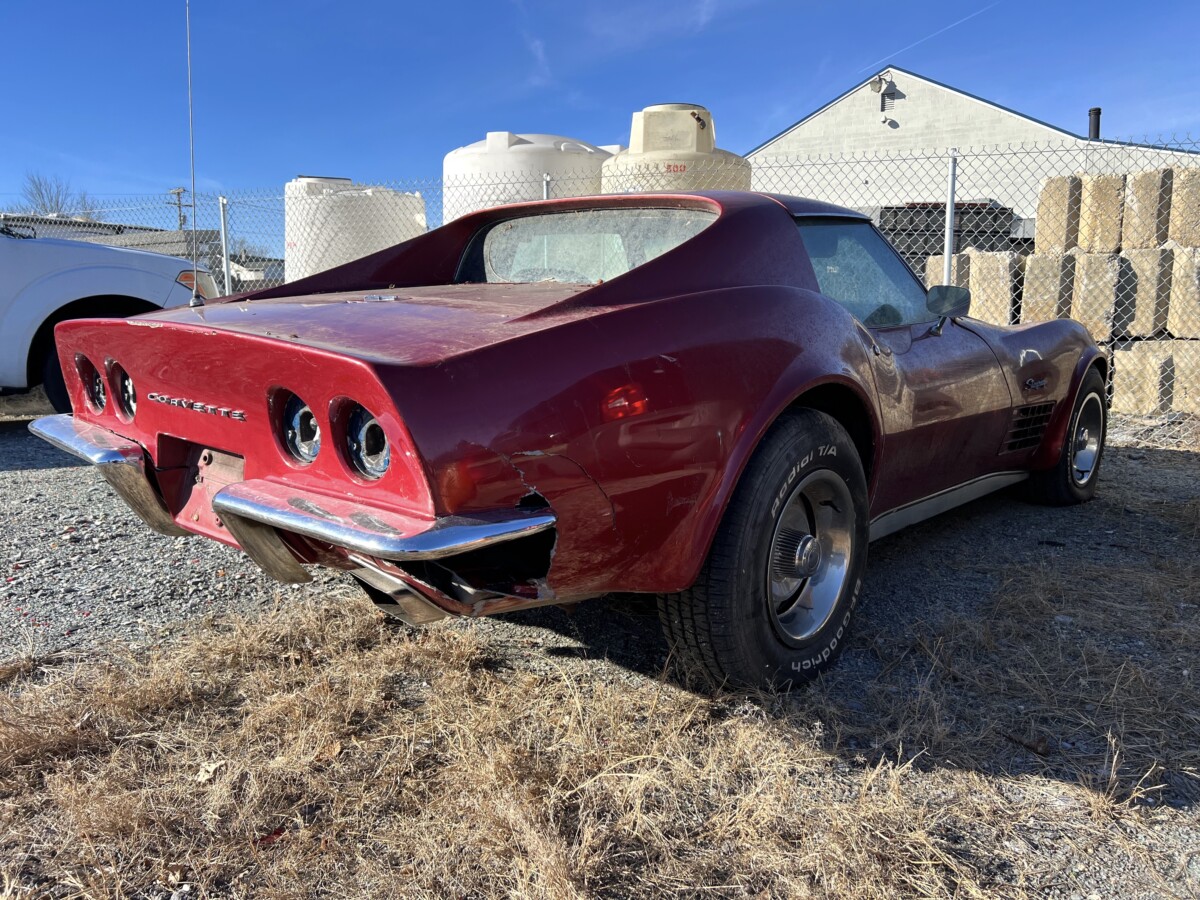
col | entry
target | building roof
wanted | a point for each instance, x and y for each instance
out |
(961, 93)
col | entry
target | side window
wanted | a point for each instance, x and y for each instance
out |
(856, 268)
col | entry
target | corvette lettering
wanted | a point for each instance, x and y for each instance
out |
(196, 406)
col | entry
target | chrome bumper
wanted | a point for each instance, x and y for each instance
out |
(122, 462)
(256, 511)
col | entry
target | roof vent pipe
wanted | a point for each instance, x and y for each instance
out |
(1094, 123)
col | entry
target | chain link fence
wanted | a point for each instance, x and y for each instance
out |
(1107, 233)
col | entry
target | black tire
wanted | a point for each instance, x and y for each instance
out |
(1065, 484)
(729, 624)
(54, 384)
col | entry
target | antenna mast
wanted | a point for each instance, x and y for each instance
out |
(196, 300)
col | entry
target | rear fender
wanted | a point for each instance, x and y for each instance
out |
(833, 355)
(638, 496)
(780, 403)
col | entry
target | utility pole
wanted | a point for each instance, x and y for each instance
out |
(178, 194)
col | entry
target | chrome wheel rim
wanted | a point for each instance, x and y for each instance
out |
(809, 559)
(1087, 438)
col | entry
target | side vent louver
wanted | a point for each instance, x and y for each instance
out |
(1028, 425)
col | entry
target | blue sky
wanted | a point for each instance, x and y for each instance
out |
(95, 92)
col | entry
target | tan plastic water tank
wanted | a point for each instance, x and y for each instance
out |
(508, 168)
(330, 221)
(673, 147)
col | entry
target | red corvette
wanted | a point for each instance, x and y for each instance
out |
(718, 399)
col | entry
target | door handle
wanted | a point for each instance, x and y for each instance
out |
(869, 339)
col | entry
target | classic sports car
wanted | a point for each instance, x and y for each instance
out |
(715, 398)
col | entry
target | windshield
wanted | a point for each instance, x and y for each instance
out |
(584, 246)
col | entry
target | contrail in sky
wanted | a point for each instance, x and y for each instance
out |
(927, 37)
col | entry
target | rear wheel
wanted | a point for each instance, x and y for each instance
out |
(1073, 478)
(774, 600)
(54, 384)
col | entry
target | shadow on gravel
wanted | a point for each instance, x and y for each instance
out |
(21, 451)
(1005, 638)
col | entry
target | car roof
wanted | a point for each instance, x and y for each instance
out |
(796, 206)
(803, 206)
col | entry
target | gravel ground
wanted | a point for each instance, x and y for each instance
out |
(80, 573)
(81, 570)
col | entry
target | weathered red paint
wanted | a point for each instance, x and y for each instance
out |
(489, 392)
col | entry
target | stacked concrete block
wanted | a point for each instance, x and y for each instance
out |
(1049, 279)
(1100, 206)
(1057, 225)
(1184, 229)
(1147, 214)
(1101, 281)
(1183, 310)
(960, 270)
(995, 281)
(1185, 393)
(1143, 378)
(1142, 309)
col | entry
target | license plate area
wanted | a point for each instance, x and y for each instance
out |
(190, 484)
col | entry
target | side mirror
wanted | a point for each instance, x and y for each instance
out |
(948, 301)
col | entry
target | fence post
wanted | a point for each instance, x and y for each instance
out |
(948, 245)
(545, 185)
(224, 201)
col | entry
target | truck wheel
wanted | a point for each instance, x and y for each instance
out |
(773, 603)
(54, 384)
(1073, 478)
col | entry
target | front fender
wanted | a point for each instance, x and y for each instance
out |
(40, 300)
(1050, 451)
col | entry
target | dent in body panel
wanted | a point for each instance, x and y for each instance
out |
(1038, 360)
(944, 406)
(1043, 362)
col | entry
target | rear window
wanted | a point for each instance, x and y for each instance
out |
(584, 246)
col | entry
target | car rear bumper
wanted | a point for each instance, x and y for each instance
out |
(259, 513)
(122, 462)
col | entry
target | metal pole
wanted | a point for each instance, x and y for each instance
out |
(225, 243)
(948, 245)
(545, 238)
(196, 300)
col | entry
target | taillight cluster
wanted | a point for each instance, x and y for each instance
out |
(301, 430)
(367, 446)
(101, 382)
(358, 435)
(361, 441)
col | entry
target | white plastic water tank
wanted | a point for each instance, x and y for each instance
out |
(673, 147)
(508, 168)
(330, 221)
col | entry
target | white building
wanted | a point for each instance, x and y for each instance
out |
(885, 142)
(895, 110)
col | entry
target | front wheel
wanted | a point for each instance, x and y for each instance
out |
(1073, 478)
(54, 384)
(774, 600)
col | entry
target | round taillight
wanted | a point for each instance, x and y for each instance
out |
(126, 392)
(366, 444)
(93, 384)
(301, 431)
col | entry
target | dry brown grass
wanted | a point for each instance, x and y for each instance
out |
(1086, 674)
(318, 752)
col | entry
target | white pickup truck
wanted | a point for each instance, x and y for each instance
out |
(44, 281)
